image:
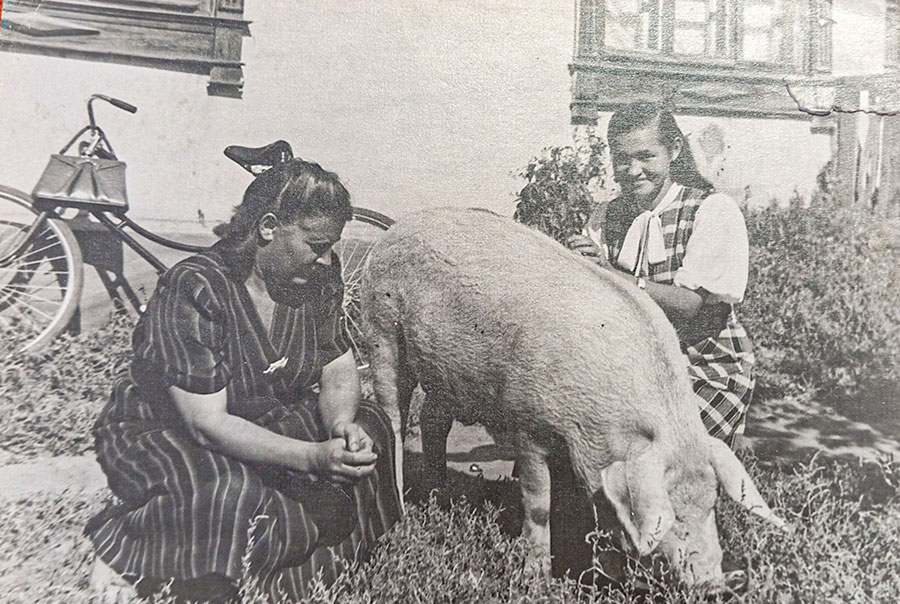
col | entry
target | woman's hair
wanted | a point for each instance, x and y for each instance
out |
(290, 190)
(645, 113)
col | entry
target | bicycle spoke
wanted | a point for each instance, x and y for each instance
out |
(356, 342)
(353, 275)
(23, 286)
(352, 320)
(349, 294)
(19, 269)
(38, 251)
(17, 263)
(38, 238)
(20, 297)
(352, 252)
(37, 310)
(36, 297)
(38, 260)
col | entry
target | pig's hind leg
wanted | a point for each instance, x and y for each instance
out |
(393, 384)
(435, 420)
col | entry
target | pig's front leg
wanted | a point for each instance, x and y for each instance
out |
(534, 478)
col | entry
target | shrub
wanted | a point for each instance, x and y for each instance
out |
(558, 197)
(821, 304)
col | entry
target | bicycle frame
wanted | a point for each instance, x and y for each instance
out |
(99, 145)
(118, 230)
(49, 250)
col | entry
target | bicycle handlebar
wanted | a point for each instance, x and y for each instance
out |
(114, 102)
(121, 104)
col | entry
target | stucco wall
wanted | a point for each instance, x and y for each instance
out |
(412, 106)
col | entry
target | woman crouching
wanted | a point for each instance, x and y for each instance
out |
(220, 449)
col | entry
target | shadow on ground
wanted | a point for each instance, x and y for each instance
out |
(503, 493)
(789, 430)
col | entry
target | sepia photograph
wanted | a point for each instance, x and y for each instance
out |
(451, 301)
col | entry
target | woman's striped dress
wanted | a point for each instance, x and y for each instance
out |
(190, 514)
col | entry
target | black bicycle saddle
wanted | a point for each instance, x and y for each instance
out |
(260, 159)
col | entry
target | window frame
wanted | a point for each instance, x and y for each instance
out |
(810, 52)
(604, 78)
(193, 36)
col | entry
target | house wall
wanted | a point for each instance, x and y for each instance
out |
(859, 34)
(411, 106)
(759, 160)
(754, 160)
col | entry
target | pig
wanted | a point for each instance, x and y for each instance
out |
(504, 327)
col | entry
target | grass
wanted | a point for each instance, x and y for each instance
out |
(845, 546)
(51, 398)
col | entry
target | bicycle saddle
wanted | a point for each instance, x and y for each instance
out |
(260, 159)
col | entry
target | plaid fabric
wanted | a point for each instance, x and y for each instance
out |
(719, 353)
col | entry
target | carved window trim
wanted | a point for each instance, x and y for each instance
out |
(724, 84)
(194, 36)
(804, 46)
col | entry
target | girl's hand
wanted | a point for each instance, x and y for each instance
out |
(332, 460)
(584, 245)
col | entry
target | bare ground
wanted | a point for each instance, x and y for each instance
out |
(780, 431)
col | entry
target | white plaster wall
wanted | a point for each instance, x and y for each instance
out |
(413, 104)
(761, 160)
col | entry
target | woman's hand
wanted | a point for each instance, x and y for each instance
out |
(584, 245)
(355, 438)
(333, 461)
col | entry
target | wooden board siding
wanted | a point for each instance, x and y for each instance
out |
(604, 87)
(195, 36)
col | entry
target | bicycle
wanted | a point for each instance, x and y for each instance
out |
(41, 265)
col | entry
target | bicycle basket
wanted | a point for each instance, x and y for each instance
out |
(82, 182)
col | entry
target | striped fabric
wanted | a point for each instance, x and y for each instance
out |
(719, 352)
(188, 513)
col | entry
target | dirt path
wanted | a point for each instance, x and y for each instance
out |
(53, 474)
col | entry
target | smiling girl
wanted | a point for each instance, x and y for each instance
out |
(686, 246)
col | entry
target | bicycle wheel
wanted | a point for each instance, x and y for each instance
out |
(353, 248)
(40, 287)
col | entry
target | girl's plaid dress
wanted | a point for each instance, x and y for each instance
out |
(718, 349)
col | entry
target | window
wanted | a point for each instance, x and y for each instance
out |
(765, 25)
(706, 57)
(196, 36)
(787, 35)
(701, 27)
(633, 25)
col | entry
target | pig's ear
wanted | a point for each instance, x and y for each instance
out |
(637, 491)
(737, 483)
